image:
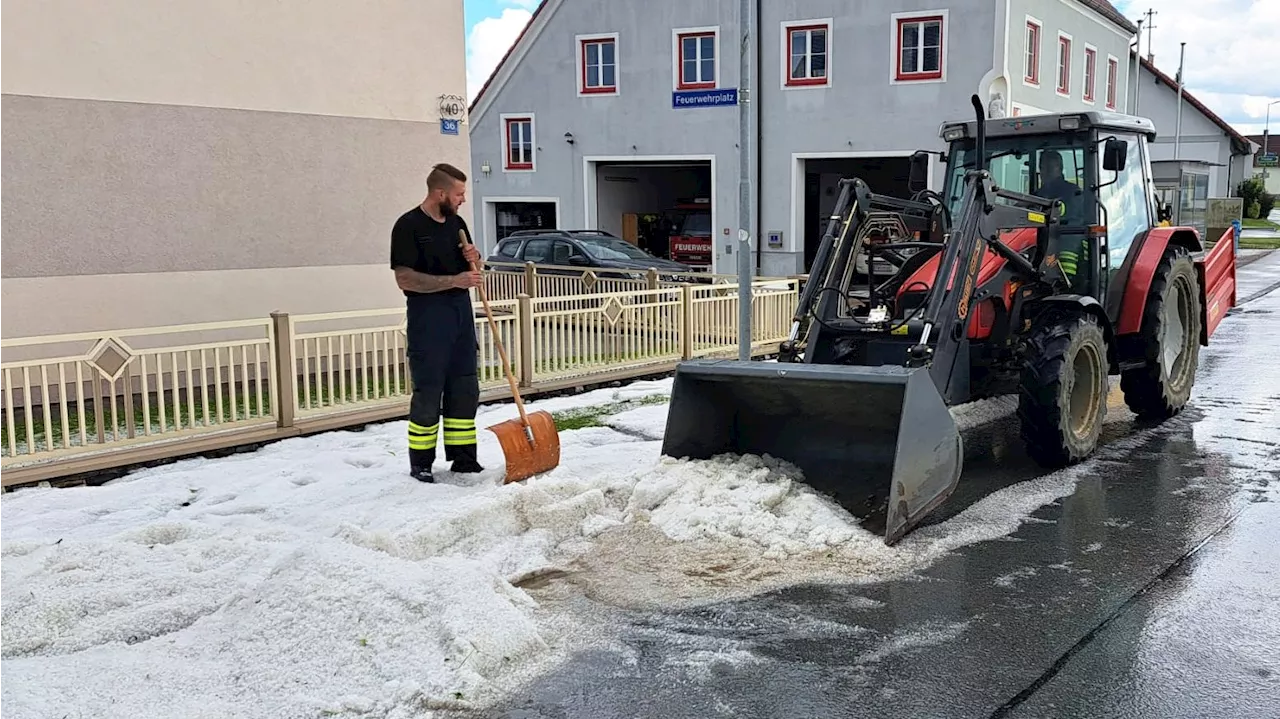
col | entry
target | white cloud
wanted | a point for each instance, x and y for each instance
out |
(1232, 60)
(489, 40)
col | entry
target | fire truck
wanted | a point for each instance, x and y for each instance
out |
(692, 241)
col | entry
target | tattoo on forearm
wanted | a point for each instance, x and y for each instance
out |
(419, 282)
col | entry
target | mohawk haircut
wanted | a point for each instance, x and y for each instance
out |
(443, 175)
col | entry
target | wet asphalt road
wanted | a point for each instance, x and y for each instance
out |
(1151, 591)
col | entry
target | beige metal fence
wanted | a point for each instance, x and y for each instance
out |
(76, 403)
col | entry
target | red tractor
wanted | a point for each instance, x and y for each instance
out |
(1039, 271)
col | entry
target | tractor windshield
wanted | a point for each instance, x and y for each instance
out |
(1050, 166)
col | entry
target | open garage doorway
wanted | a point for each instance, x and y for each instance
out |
(665, 206)
(504, 215)
(819, 179)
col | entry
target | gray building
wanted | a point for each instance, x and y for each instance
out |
(1204, 139)
(613, 115)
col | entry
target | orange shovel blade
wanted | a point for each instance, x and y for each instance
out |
(523, 459)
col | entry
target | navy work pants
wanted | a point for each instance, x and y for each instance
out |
(442, 364)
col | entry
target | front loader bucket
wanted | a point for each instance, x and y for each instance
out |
(878, 440)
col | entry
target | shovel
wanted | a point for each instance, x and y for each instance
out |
(530, 444)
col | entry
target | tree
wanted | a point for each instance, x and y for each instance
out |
(1257, 201)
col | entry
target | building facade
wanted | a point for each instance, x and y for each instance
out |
(171, 161)
(1264, 165)
(603, 113)
(1213, 153)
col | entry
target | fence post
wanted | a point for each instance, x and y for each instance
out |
(524, 337)
(686, 321)
(530, 279)
(286, 371)
(652, 277)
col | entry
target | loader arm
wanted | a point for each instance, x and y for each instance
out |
(946, 314)
(855, 205)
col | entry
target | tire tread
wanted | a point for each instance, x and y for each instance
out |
(1042, 418)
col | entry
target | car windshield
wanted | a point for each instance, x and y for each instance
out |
(696, 224)
(1050, 166)
(606, 248)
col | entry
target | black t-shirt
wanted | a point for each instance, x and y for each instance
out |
(424, 245)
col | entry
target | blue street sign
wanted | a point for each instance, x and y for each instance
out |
(705, 98)
(448, 127)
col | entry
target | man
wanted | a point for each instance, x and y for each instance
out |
(1054, 186)
(1052, 183)
(432, 268)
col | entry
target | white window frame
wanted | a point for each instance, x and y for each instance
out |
(580, 59)
(787, 26)
(503, 124)
(945, 38)
(1107, 101)
(1089, 85)
(1063, 72)
(677, 58)
(1039, 51)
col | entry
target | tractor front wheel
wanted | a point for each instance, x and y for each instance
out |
(1170, 340)
(1063, 394)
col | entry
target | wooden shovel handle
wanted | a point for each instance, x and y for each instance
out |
(463, 240)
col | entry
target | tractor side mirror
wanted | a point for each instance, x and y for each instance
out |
(1114, 155)
(918, 171)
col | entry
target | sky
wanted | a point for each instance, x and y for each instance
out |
(1232, 53)
(492, 26)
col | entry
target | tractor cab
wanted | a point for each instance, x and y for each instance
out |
(1095, 164)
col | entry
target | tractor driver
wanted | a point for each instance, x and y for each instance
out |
(1054, 186)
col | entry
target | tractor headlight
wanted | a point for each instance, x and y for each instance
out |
(954, 133)
(1069, 123)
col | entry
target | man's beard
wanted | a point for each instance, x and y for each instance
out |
(447, 208)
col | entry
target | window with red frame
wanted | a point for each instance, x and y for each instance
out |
(807, 55)
(1031, 71)
(919, 48)
(1111, 83)
(1090, 72)
(599, 66)
(519, 143)
(697, 60)
(1064, 65)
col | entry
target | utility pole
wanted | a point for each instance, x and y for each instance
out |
(1151, 56)
(1266, 131)
(1177, 133)
(1137, 68)
(744, 178)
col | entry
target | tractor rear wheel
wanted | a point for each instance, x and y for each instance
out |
(1063, 394)
(1170, 340)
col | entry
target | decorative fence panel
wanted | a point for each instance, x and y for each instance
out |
(355, 360)
(576, 336)
(68, 394)
(714, 315)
